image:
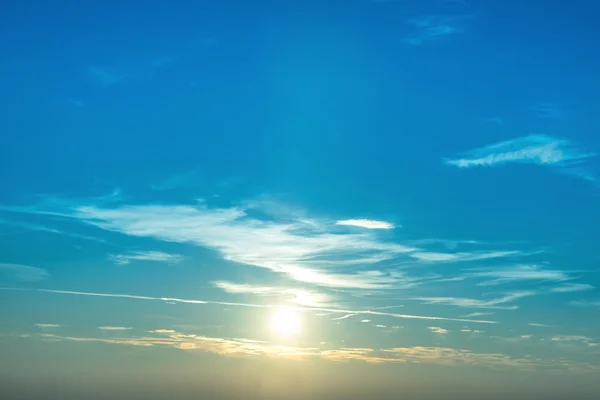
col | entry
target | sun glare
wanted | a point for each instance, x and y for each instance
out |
(285, 322)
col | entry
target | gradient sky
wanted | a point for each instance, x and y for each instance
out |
(413, 183)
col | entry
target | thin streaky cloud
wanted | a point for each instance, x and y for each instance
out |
(366, 223)
(331, 310)
(518, 273)
(474, 303)
(572, 287)
(41, 228)
(298, 296)
(536, 325)
(477, 314)
(146, 256)
(532, 149)
(47, 325)
(464, 256)
(23, 272)
(344, 317)
(114, 328)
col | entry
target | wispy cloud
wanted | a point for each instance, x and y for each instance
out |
(147, 256)
(572, 287)
(301, 248)
(474, 303)
(585, 340)
(344, 317)
(464, 256)
(293, 295)
(239, 347)
(433, 27)
(536, 325)
(532, 149)
(114, 328)
(44, 326)
(23, 272)
(366, 223)
(41, 228)
(549, 110)
(518, 273)
(438, 330)
(476, 314)
(269, 306)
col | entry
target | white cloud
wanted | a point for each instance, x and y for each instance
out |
(575, 339)
(41, 228)
(366, 320)
(146, 256)
(43, 326)
(438, 330)
(476, 314)
(113, 328)
(23, 272)
(293, 295)
(464, 256)
(536, 325)
(344, 317)
(519, 273)
(572, 287)
(532, 149)
(307, 308)
(474, 303)
(366, 223)
(302, 249)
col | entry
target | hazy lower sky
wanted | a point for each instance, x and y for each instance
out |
(299, 199)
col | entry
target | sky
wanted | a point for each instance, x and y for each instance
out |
(299, 199)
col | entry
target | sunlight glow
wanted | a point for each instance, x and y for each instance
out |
(285, 322)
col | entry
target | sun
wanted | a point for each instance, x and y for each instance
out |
(285, 322)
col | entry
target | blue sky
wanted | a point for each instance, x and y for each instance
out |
(269, 193)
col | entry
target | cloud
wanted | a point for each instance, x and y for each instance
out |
(303, 308)
(585, 303)
(41, 228)
(438, 330)
(301, 248)
(532, 149)
(114, 328)
(105, 76)
(146, 256)
(23, 272)
(518, 273)
(548, 111)
(473, 303)
(293, 295)
(432, 27)
(536, 325)
(476, 314)
(572, 287)
(43, 326)
(458, 257)
(366, 320)
(366, 223)
(344, 317)
(248, 348)
(589, 342)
